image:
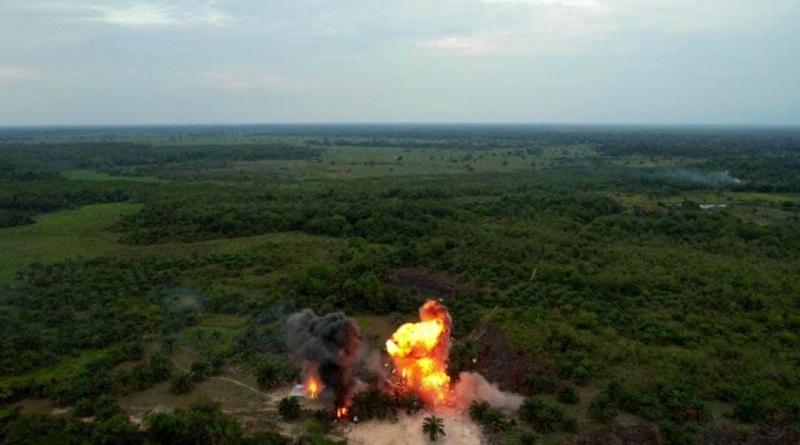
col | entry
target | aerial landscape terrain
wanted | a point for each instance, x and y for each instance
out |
(248, 284)
(416, 222)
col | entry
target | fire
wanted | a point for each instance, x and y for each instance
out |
(420, 350)
(341, 412)
(313, 385)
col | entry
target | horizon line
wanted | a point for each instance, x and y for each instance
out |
(403, 123)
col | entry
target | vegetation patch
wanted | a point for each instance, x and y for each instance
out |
(85, 232)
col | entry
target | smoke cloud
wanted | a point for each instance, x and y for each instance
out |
(714, 179)
(329, 344)
(473, 387)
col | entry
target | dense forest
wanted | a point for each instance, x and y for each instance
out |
(624, 278)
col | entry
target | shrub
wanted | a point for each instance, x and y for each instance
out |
(200, 371)
(568, 395)
(542, 417)
(84, 408)
(181, 383)
(603, 408)
(289, 408)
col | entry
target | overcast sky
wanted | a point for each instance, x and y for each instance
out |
(263, 61)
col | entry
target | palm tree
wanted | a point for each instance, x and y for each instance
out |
(289, 408)
(199, 371)
(603, 408)
(477, 411)
(181, 383)
(794, 409)
(267, 375)
(543, 417)
(433, 427)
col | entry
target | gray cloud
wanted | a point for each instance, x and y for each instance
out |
(146, 61)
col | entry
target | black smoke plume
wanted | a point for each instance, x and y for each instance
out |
(330, 343)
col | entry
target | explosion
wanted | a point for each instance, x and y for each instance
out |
(420, 351)
(329, 349)
(327, 346)
(313, 385)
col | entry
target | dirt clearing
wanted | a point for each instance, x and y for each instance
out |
(458, 428)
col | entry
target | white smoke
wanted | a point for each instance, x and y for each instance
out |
(714, 178)
(473, 387)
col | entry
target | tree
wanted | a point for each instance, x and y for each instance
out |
(269, 438)
(603, 408)
(169, 343)
(793, 409)
(268, 374)
(160, 366)
(289, 408)
(123, 381)
(477, 410)
(61, 394)
(200, 371)
(492, 420)
(142, 377)
(372, 404)
(84, 408)
(433, 427)
(116, 430)
(106, 407)
(203, 423)
(181, 383)
(544, 418)
(569, 395)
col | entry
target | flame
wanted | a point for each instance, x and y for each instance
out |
(341, 412)
(420, 350)
(313, 385)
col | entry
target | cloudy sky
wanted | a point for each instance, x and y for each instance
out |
(263, 61)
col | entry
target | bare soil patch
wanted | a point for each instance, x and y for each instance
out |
(619, 435)
(407, 430)
(430, 282)
(500, 363)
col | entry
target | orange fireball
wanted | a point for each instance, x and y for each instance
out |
(313, 385)
(420, 350)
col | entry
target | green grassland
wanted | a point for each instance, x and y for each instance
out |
(65, 369)
(83, 232)
(88, 175)
(348, 162)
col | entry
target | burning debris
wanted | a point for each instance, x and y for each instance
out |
(328, 348)
(312, 386)
(420, 351)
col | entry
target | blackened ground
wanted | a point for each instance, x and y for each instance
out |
(619, 435)
(499, 363)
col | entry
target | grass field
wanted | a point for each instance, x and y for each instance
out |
(65, 368)
(85, 233)
(89, 175)
(82, 232)
(344, 162)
